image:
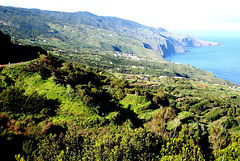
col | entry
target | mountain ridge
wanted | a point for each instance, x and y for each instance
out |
(160, 40)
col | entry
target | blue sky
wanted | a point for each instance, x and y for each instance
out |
(174, 15)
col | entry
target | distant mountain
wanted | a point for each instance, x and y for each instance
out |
(84, 30)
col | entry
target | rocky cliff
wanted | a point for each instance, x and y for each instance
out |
(180, 44)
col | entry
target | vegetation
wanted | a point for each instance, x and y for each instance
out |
(56, 110)
(52, 109)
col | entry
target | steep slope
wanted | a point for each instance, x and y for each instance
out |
(97, 32)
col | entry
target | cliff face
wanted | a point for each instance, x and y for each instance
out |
(180, 45)
(173, 44)
(169, 48)
(191, 41)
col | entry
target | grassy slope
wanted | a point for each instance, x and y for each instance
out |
(73, 105)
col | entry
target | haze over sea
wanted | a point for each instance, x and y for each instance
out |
(223, 61)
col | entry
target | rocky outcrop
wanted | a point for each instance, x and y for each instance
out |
(174, 44)
(191, 41)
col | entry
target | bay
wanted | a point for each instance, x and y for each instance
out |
(223, 61)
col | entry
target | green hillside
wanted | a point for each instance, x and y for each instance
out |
(56, 33)
(108, 43)
(81, 30)
(52, 109)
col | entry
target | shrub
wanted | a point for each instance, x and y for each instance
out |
(13, 100)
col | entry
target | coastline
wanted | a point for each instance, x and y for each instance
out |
(221, 60)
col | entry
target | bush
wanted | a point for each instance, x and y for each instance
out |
(230, 123)
(13, 100)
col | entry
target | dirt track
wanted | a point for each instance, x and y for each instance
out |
(4, 65)
(201, 85)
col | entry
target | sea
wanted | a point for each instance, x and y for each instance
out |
(223, 61)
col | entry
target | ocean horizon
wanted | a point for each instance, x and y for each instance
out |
(223, 61)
